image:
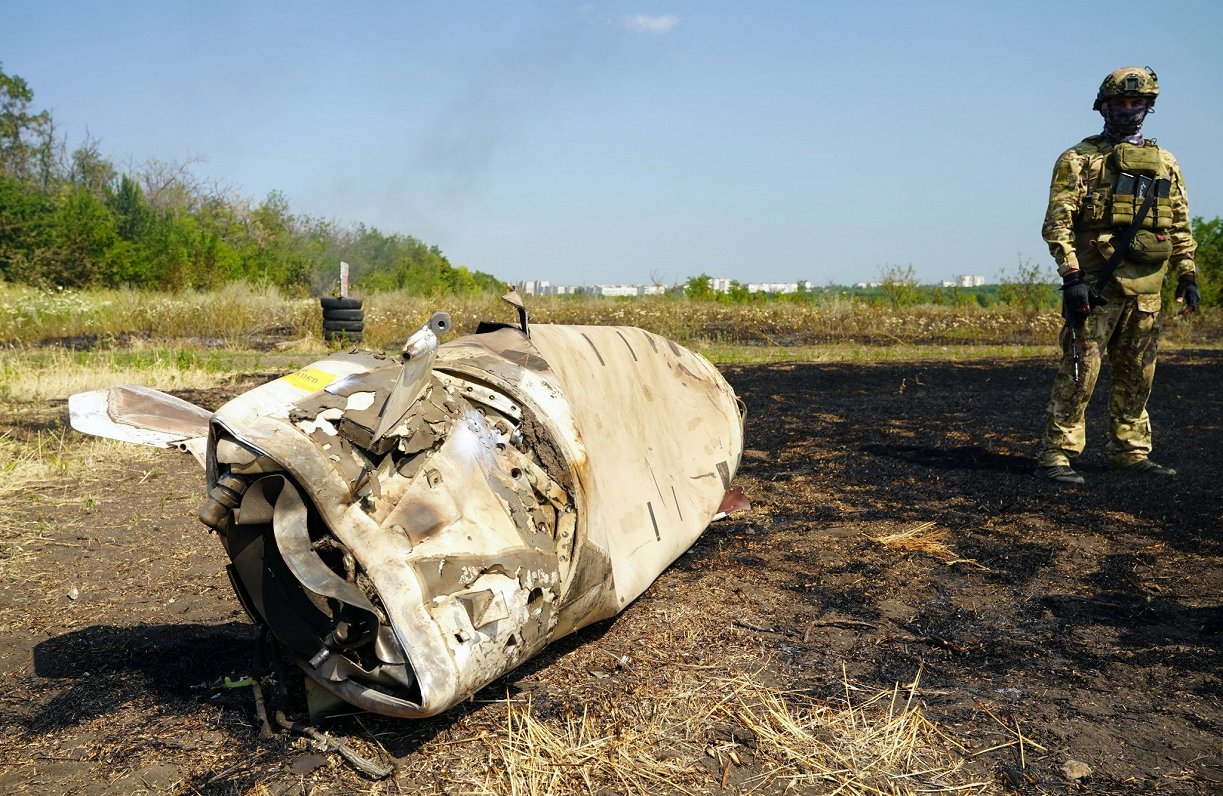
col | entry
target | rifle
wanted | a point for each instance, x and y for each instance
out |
(1147, 190)
(1074, 350)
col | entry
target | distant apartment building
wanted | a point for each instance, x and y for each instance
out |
(778, 287)
(965, 280)
(535, 287)
(628, 290)
(617, 290)
(541, 287)
(719, 284)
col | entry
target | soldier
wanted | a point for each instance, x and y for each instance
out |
(1097, 200)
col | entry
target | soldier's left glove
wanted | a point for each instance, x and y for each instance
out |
(1187, 292)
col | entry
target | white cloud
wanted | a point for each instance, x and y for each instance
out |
(644, 23)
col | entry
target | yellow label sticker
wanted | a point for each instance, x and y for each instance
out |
(309, 379)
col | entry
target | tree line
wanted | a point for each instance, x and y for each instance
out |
(72, 218)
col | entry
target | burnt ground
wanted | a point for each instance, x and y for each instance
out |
(1091, 616)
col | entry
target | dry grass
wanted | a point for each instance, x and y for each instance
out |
(732, 354)
(40, 454)
(56, 462)
(702, 732)
(234, 315)
(777, 323)
(51, 457)
(922, 538)
(927, 539)
(228, 315)
(36, 377)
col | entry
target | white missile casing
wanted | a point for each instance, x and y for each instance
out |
(532, 486)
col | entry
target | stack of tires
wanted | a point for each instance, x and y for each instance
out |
(343, 319)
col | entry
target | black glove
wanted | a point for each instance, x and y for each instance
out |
(1187, 292)
(1076, 297)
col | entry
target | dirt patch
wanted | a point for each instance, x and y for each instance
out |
(896, 530)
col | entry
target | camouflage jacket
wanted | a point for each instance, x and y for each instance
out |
(1079, 172)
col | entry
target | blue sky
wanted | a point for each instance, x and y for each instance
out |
(623, 141)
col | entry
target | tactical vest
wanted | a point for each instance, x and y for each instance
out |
(1127, 173)
(1114, 199)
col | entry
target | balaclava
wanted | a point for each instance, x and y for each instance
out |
(1124, 124)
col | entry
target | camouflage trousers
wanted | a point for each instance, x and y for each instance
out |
(1127, 329)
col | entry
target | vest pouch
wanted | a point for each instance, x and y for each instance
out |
(1149, 248)
(1137, 159)
(1104, 245)
(1095, 209)
(1139, 273)
(1160, 215)
(1140, 280)
(1122, 210)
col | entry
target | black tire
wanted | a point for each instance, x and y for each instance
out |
(343, 326)
(343, 315)
(337, 303)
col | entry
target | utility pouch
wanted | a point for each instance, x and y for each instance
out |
(1137, 159)
(1142, 270)
(1095, 208)
(1149, 247)
(1160, 216)
(1124, 201)
(1124, 205)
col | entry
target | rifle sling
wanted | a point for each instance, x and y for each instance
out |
(1127, 237)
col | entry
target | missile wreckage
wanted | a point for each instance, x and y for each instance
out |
(409, 528)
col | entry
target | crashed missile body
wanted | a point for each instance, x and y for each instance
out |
(410, 529)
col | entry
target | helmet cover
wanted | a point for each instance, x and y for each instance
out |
(1128, 81)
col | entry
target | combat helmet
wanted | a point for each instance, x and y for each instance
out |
(1128, 81)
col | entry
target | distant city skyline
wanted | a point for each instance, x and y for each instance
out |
(719, 284)
(598, 143)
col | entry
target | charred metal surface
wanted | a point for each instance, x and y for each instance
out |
(412, 528)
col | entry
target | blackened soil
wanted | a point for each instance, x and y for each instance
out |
(1093, 615)
(1087, 619)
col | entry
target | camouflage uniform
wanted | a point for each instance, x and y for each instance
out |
(1085, 212)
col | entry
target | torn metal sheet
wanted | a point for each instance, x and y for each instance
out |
(412, 528)
(132, 413)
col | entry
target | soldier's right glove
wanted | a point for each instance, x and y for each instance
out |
(1187, 292)
(1076, 297)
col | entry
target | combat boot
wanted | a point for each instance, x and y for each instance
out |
(1147, 467)
(1061, 473)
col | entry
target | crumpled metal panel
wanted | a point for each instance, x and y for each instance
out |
(142, 415)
